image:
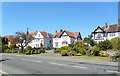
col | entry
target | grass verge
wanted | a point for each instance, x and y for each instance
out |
(49, 54)
(87, 57)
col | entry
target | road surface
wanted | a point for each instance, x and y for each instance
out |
(32, 64)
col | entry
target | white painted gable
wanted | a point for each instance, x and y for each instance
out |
(39, 35)
(99, 30)
(64, 33)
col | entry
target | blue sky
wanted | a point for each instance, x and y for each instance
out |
(81, 17)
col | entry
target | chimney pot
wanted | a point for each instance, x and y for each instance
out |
(55, 31)
(27, 31)
(60, 30)
(105, 25)
(118, 21)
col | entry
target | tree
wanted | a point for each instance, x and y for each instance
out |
(115, 43)
(86, 39)
(92, 43)
(89, 40)
(81, 47)
(4, 43)
(23, 39)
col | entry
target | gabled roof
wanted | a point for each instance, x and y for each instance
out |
(45, 34)
(75, 34)
(111, 28)
(99, 28)
(71, 34)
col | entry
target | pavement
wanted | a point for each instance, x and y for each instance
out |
(34, 64)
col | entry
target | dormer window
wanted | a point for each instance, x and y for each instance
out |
(49, 36)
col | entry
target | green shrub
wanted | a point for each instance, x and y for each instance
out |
(89, 54)
(35, 52)
(14, 51)
(28, 52)
(78, 54)
(73, 53)
(6, 51)
(105, 45)
(43, 51)
(31, 52)
(83, 52)
(29, 48)
(115, 43)
(46, 48)
(38, 51)
(75, 49)
(103, 55)
(64, 53)
(96, 51)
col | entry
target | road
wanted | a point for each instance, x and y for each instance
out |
(31, 64)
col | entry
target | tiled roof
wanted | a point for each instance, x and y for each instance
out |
(45, 34)
(75, 34)
(72, 34)
(33, 33)
(112, 28)
(57, 34)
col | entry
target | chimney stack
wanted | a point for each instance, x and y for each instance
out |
(27, 32)
(119, 21)
(61, 30)
(55, 31)
(105, 25)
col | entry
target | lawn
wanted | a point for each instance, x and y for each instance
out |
(88, 57)
(49, 54)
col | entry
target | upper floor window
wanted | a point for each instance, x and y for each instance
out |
(64, 43)
(50, 41)
(37, 45)
(56, 44)
(49, 36)
(112, 34)
(105, 34)
(64, 37)
(99, 34)
(39, 35)
(41, 41)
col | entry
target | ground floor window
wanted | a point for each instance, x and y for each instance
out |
(37, 45)
(56, 44)
(64, 43)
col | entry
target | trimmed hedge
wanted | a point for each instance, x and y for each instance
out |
(64, 53)
(78, 54)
